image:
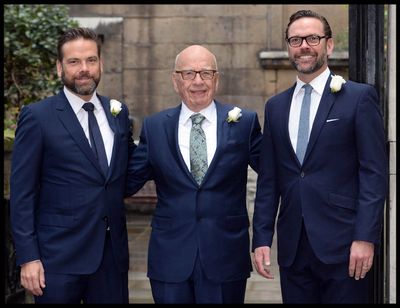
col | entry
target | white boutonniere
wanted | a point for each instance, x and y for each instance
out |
(234, 115)
(115, 107)
(336, 83)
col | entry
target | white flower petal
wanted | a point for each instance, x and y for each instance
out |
(234, 115)
(336, 83)
(115, 107)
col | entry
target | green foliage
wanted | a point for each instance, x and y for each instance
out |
(31, 33)
(10, 120)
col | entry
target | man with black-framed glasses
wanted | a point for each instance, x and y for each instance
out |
(323, 163)
(198, 154)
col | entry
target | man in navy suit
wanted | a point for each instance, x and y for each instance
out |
(199, 249)
(330, 179)
(67, 209)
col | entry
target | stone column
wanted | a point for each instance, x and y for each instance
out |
(392, 139)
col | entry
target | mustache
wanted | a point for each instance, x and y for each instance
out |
(84, 75)
(306, 54)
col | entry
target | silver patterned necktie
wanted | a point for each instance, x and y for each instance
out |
(304, 124)
(198, 148)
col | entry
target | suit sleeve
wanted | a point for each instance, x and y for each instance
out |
(267, 195)
(373, 170)
(139, 167)
(131, 143)
(255, 143)
(24, 185)
(131, 148)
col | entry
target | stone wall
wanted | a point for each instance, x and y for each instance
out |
(141, 42)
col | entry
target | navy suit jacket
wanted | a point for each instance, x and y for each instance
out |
(210, 219)
(59, 195)
(339, 190)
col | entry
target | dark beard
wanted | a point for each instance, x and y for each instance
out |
(312, 69)
(81, 90)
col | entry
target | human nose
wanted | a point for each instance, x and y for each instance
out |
(84, 66)
(197, 77)
(304, 41)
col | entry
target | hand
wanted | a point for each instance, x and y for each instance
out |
(361, 259)
(32, 277)
(262, 261)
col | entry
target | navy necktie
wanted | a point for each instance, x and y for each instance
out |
(96, 140)
(304, 123)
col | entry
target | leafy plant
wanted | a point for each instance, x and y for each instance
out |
(31, 34)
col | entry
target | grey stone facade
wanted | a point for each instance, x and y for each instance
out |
(141, 42)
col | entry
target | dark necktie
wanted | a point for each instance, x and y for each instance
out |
(304, 123)
(198, 149)
(96, 140)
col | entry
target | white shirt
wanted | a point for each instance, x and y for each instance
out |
(318, 85)
(209, 126)
(106, 132)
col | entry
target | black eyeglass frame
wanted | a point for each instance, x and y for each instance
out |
(197, 72)
(306, 38)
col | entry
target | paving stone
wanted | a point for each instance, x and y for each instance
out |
(259, 289)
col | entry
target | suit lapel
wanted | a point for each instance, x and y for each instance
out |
(287, 100)
(171, 129)
(222, 135)
(105, 102)
(325, 105)
(70, 122)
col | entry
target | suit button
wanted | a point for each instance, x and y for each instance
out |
(302, 174)
(105, 218)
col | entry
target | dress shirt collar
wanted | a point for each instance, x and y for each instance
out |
(209, 113)
(76, 102)
(318, 83)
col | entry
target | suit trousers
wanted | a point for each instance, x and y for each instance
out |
(106, 285)
(308, 280)
(198, 289)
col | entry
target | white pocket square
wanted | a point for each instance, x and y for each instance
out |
(331, 120)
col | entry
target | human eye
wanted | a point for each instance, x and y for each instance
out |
(73, 62)
(313, 39)
(295, 40)
(207, 74)
(92, 60)
(188, 74)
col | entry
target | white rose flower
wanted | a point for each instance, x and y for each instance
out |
(336, 83)
(234, 115)
(115, 107)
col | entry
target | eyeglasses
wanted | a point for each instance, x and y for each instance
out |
(190, 75)
(312, 40)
